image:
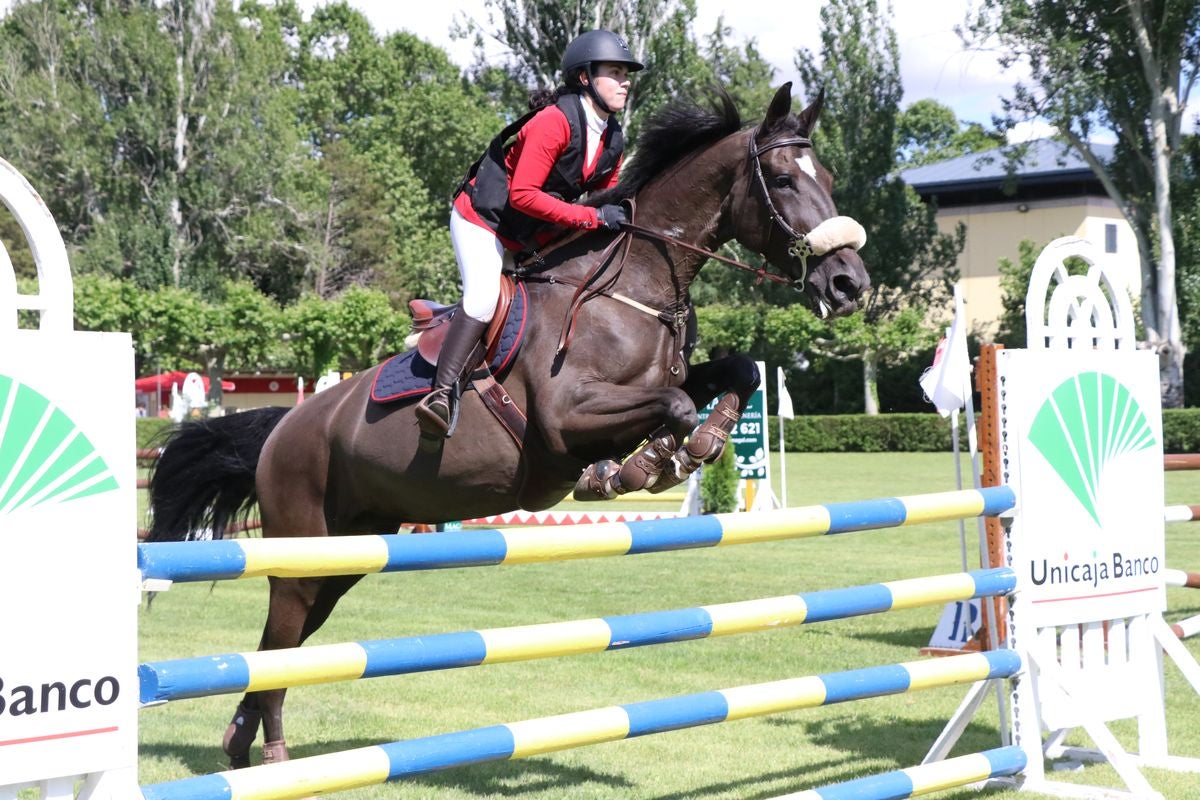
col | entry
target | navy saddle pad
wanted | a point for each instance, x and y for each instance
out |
(407, 376)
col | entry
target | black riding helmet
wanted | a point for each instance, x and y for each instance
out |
(589, 48)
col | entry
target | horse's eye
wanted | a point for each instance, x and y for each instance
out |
(784, 181)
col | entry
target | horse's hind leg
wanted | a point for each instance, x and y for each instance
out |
(299, 606)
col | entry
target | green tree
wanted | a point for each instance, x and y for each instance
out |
(164, 134)
(928, 132)
(912, 264)
(105, 303)
(368, 329)
(1186, 206)
(311, 334)
(355, 330)
(395, 126)
(719, 483)
(536, 32)
(1129, 68)
(170, 332)
(240, 329)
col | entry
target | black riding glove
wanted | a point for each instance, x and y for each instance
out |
(611, 217)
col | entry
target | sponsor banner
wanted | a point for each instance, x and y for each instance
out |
(68, 579)
(750, 435)
(1082, 447)
(960, 621)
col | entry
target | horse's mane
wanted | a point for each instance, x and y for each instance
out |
(668, 135)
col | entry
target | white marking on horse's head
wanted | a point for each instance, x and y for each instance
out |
(806, 165)
(675, 231)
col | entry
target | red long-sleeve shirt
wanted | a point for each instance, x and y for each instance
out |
(538, 146)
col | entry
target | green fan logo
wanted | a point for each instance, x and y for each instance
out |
(1087, 422)
(44, 457)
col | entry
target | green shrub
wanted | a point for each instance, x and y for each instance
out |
(929, 433)
(718, 484)
(1181, 430)
(148, 428)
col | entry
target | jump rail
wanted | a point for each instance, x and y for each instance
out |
(1181, 461)
(369, 766)
(360, 555)
(924, 779)
(163, 681)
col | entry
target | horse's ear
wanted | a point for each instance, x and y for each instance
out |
(808, 117)
(781, 106)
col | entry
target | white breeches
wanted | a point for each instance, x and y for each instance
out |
(481, 257)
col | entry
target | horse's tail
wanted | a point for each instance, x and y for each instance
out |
(204, 477)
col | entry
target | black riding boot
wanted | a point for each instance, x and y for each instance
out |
(436, 412)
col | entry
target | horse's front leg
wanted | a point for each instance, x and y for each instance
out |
(661, 463)
(607, 418)
(737, 376)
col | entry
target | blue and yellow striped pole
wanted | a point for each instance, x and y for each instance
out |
(360, 555)
(369, 766)
(162, 681)
(925, 779)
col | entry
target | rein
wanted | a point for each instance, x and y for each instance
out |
(800, 248)
(761, 272)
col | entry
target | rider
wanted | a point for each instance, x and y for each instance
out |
(517, 197)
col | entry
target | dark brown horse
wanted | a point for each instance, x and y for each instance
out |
(341, 464)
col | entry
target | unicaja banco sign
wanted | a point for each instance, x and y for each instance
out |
(1088, 477)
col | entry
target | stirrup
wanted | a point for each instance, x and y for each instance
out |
(436, 414)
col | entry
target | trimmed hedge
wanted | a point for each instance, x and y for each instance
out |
(148, 428)
(858, 433)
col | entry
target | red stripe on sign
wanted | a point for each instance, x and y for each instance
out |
(52, 736)
(1093, 596)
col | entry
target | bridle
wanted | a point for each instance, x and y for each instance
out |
(799, 246)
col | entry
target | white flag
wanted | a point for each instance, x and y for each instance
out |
(947, 383)
(785, 399)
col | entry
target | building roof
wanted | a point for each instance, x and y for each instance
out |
(1048, 168)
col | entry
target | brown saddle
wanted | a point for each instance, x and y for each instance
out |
(429, 326)
(429, 323)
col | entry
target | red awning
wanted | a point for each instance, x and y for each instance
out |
(162, 383)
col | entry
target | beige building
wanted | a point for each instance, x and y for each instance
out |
(1052, 193)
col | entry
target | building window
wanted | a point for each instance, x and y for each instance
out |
(1110, 238)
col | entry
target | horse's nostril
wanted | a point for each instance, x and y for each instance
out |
(846, 286)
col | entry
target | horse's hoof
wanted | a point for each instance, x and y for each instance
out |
(275, 752)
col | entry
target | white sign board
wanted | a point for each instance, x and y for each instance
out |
(1086, 431)
(960, 621)
(68, 582)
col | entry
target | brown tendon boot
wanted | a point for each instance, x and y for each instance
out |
(606, 479)
(705, 445)
(437, 411)
(275, 752)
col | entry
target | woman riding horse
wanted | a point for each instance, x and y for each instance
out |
(601, 373)
(569, 145)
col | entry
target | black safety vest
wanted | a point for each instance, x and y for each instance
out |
(489, 195)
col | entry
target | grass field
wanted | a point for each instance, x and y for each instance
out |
(755, 758)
